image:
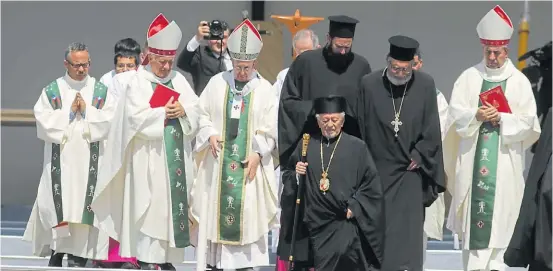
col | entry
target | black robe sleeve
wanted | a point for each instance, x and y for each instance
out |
(520, 252)
(293, 110)
(288, 197)
(367, 206)
(427, 151)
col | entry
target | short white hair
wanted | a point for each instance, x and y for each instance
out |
(342, 114)
(305, 34)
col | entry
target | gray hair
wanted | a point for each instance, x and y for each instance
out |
(75, 47)
(418, 53)
(305, 34)
(389, 60)
(342, 114)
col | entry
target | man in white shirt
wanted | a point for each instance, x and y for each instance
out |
(304, 40)
(203, 61)
(127, 57)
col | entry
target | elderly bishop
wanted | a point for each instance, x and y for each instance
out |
(142, 194)
(236, 171)
(485, 176)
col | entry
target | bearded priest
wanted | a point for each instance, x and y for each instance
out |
(141, 199)
(342, 214)
(485, 174)
(400, 122)
(236, 180)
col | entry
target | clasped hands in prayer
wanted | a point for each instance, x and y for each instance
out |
(173, 109)
(488, 112)
(301, 169)
(78, 104)
(251, 162)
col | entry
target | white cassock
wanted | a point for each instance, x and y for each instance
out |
(133, 202)
(518, 131)
(277, 88)
(107, 79)
(75, 138)
(258, 204)
(435, 213)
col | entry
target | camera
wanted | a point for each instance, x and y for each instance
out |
(216, 30)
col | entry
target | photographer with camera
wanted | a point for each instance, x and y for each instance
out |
(203, 61)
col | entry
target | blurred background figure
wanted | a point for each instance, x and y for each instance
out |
(127, 57)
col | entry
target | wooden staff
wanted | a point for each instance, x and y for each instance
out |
(299, 195)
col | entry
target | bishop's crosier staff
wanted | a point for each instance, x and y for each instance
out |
(298, 201)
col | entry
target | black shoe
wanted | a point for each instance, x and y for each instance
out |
(147, 266)
(56, 259)
(74, 261)
(128, 265)
(167, 266)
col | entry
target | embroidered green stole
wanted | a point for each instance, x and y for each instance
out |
(174, 153)
(484, 180)
(233, 175)
(98, 101)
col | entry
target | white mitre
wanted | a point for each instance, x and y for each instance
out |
(496, 28)
(163, 37)
(245, 43)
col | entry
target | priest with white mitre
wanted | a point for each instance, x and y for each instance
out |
(236, 171)
(141, 198)
(73, 116)
(484, 149)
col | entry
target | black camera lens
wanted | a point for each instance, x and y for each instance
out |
(216, 31)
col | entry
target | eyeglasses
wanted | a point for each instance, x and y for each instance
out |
(400, 69)
(123, 65)
(242, 69)
(79, 65)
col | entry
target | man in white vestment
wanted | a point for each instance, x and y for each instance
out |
(236, 172)
(142, 193)
(484, 149)
(304, 40)
(73, 116)
(435, 214)
(126, 58)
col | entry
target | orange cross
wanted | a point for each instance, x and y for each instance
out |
(296, 23)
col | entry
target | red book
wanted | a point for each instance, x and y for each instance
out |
(161, 96)
(496, 98)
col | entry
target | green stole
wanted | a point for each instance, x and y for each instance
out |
(174, 152)
(98, 101)
(233, 175)
(484, 180)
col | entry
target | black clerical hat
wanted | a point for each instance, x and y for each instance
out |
(332, 104)
(403, 48)
(342, 26)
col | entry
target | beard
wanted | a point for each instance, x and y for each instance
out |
(398, 81)
(335, 61)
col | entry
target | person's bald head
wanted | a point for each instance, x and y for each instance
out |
(305, 40)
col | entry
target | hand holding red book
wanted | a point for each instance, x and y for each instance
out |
(496, 98)
(161, 96)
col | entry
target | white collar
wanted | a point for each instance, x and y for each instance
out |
(74, 84)
(147, 73)
(254, 82)
(496, 75)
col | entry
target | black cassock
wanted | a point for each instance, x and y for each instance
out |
(337, 243)
(531, 240)
(406, 193)
(311, 76)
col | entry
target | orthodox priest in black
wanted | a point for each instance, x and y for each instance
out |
(333, 69)
(400, 124)
(342, 216)
(531, 240)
